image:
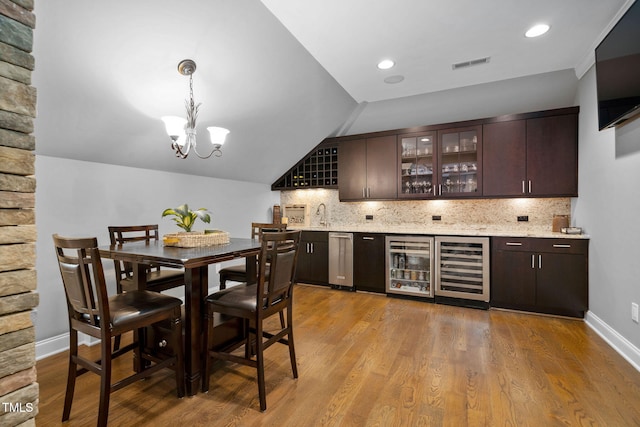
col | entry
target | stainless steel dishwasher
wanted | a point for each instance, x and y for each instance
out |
(341, 259)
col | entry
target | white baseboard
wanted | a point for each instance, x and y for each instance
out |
(626, 349)
(58, 344)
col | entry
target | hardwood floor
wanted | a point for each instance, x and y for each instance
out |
(366, 359)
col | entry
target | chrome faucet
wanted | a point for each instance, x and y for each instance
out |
(323, 219)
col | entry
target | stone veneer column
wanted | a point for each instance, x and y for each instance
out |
(18, 386)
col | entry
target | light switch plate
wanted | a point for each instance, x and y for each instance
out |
(634, 312)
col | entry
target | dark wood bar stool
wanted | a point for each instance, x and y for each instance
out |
(238, 273)
(255, 303)
(92, 312)
(157, 279)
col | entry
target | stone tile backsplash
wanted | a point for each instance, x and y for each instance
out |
(415, 213)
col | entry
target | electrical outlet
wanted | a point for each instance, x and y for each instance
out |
(436, 218)
(368, 217)
(523, 218)
(634, 312)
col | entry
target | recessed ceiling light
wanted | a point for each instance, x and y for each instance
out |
(385, 64)
(537, 30)
(394, 79)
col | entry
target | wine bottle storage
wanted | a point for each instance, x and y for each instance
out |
(462, 267)
(319, 169)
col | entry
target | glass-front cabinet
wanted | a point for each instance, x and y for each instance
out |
(443, 163)
(409, 265)
(460, 156)
(417, 154)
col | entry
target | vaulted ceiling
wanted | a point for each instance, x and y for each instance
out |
(280, 74)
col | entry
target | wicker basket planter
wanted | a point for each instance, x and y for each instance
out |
(195, 239)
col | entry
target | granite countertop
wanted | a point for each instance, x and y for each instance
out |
(444, 230)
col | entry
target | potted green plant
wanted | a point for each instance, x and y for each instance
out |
(185, 217)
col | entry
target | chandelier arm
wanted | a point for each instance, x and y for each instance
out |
(215, 150)
(178, 150)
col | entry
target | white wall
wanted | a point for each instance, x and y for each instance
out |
(608, 208)
(521, 95)
(76, 198)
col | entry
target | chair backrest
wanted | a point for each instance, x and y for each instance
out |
(280, 251)
(258, 228)
(83, 279)
(122, 234)
(133, 233)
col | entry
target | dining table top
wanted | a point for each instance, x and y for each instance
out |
(180, 257)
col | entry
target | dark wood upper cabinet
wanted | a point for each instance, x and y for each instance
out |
(460, 159)
(443, 163)
(417, 160)
(552, 156)
(367, 169)
(521, 155)
(352, 169)
(531, 157)
(505, 158)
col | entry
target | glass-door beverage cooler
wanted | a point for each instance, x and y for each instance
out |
(409, 265)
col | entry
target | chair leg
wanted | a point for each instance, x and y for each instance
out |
(105, 384)
(282, 325)
(292, 350)
(223, 282)
(71, 375)
(116, 344)
(176, 332)
(260, 366)
(249, 347)
(208, 337)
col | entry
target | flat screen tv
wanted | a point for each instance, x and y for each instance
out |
(618, 71)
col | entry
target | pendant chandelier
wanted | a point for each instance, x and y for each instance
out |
(183, 131)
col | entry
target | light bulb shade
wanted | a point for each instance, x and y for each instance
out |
(218, 135)
(174, 126)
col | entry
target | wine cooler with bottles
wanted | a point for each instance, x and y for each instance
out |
(440, 268)
(409, 266)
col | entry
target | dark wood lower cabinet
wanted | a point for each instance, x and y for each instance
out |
(313, 258)
(540, 275)
(368, 262)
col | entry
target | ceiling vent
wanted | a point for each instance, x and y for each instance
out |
(466, 64)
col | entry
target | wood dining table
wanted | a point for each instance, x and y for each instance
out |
(195, 262)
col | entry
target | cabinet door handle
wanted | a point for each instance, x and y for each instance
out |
(533, 261)
(368, 192)
(364, 194)
(539, 261)
(523, 190)
(561, 246)
(367, 238)
(439, 189)
(312, 247)
(514, 244)
(529, 186)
